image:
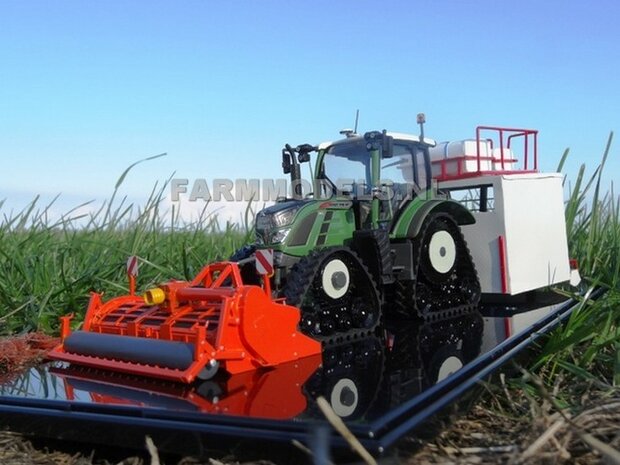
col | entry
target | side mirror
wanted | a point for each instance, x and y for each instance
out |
(286, 162)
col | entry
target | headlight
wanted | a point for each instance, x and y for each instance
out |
(279, 236)
(271, 228)
(268, 221)
(285, 217)
(275, 236)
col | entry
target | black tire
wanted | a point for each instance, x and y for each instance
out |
(445, 280)
(336, 294)
(248, 270)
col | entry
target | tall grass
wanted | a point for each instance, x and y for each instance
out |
(587, 347)
(593, 224)
(48, 268)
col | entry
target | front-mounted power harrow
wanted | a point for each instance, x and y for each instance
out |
(186, 330)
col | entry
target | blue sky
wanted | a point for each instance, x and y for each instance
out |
(86, 88)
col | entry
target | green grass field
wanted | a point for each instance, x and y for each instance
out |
(48, 269)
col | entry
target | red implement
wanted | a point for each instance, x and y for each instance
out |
(184, 330)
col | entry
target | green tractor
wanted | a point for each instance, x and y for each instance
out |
(374, 236)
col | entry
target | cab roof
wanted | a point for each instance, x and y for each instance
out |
(396, 135)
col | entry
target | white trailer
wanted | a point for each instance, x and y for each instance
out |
(518, 242)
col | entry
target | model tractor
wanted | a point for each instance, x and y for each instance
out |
(373, 234)
(389, 224)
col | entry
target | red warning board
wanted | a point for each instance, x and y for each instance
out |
(264, 261)
(132, 266)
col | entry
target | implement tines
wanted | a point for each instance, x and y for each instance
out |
(148, 320)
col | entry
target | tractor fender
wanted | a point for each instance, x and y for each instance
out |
(457, 211)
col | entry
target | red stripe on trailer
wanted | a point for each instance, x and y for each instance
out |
(507, 327)
(502, 263)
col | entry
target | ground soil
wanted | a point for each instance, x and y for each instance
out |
(544, 436)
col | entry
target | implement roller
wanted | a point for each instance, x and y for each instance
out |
(183, 330)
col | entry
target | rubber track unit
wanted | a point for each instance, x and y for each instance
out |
(361, 364)
(426, 297)
(356, 314)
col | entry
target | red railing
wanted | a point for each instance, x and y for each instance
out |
(508, 134)
(506, 139)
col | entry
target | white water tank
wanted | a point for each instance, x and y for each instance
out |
(460, 157)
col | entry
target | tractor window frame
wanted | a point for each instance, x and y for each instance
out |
(419, 162)
(357, 153)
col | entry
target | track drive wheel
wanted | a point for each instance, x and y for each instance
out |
(336, 294)
(446, 282)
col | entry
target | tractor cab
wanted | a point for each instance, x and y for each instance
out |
(379, 172)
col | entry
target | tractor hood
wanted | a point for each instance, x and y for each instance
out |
(280, 214)
(284, 205)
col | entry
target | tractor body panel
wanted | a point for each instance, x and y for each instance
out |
(316, 223)
(412, 217)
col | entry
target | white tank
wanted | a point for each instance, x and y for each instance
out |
(460, 157)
